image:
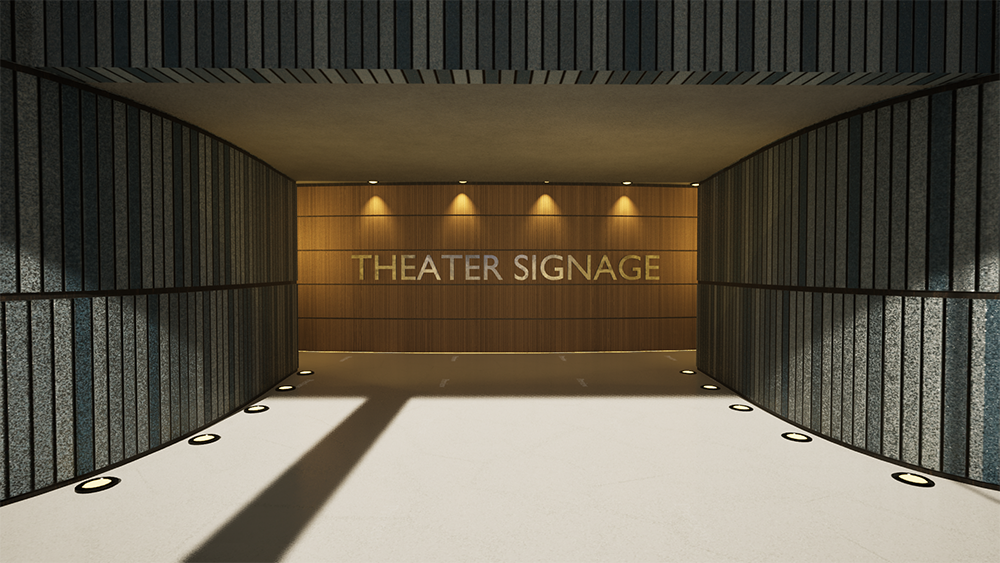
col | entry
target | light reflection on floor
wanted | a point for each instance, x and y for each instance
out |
(573, 457)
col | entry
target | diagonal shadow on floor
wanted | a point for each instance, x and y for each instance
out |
(270, 524)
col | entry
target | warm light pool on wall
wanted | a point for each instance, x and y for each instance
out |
(202, 439)
(255, 409)
(796, 437)
(286, 388)
(913, 479)
(97, 484)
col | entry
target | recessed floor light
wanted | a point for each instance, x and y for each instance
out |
(742, 408)
(306, 372)
(710, 387)
(286, 388)
(913, 479)
(372, 181)
(97, 484)
(695, 184)
(255, 409)
(204, 439)
(796, 437)
(463, 181)
(626, 183)
(688, 372)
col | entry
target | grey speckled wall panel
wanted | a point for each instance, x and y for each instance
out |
(90, 381)
(909, 369)
(859, 42)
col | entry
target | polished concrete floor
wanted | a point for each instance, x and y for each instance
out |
(547, 457)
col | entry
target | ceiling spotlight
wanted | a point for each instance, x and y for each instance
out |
(710, 387)
(688, 372)
(286, 388)
(741, 408)
(913, 479)
(546, 181)
(97, 484)
(372, 181)
(255, 409)
(204, 439)
(463, 181)
(796, 437)
(306, 372)
(626, 183)
(696, 184)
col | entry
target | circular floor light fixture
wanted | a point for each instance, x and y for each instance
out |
(255, 409)
(285, 388)
(306, 372)
(97, 484)
(688, 371)
(202, 439)
(913, 479)
(710, 387)
(741, 408)
(796, 437)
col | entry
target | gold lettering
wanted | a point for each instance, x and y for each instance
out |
(605, 266)
(403, 266)
(424, 269)
(361, 264)
(520, 266)
(651, 267)
(451, 262)
(573, 262)
(390, 267)
(558, 269)
(491, 266)
(637, 269)
(469, 267)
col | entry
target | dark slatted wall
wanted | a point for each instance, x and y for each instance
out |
(147, 277)
(340, 311)
(577, 42)
(850, 280)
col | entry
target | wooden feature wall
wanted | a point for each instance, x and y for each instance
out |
(339, 311)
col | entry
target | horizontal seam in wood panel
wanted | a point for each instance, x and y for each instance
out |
(507, 215)
(491, 249)
(454, 184)
(490, 318)
(449, 284)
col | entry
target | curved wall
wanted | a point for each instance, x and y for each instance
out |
(147, 280)
(850, 280)
(568, 42)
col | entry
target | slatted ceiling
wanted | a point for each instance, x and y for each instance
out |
(895, 375)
